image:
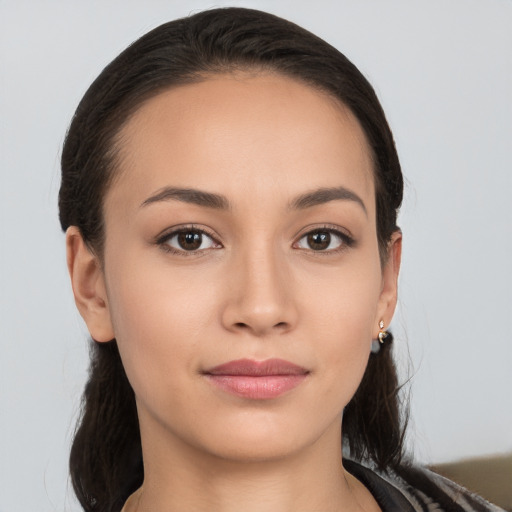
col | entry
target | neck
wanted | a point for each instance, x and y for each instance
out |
(180, 477)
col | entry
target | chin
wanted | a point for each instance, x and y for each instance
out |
(258, 449)
(261, 439)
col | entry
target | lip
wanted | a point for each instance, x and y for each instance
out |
(257, 380)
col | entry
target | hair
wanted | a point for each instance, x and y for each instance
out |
(106, 456)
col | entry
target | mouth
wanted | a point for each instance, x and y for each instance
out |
(257, 380)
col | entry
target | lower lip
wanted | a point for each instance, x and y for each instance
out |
(261, 387)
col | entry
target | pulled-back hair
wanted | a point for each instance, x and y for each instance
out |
(106, 455)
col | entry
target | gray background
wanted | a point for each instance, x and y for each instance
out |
(443, 70)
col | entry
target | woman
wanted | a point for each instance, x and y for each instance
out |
(229, 194)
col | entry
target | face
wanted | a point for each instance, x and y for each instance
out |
(241, 227)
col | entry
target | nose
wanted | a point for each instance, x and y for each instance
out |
(261, 298)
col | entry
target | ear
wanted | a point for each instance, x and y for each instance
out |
(389, 290)
(88, 283)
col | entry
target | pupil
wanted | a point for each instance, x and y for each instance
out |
(190, 240)
(320, 240)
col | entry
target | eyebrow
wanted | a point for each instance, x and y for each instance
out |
(220, 202)
(325, 195)
(189, 195)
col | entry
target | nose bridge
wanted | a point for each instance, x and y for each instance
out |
(262, 277)
(261, 300)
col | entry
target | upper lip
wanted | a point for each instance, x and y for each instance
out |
(253, 368)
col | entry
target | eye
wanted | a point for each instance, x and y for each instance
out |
(187, 240)
(324, 240)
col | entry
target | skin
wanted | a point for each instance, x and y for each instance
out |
(255, 289)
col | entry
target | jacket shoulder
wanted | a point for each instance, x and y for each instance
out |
(439, 493)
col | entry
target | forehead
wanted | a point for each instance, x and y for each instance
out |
(242, 132)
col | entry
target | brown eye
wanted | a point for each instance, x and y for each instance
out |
(319, 241)
(189, 240)
(324, 240)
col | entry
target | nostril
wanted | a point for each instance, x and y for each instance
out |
(244, 326)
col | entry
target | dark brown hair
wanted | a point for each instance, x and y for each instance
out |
(106, 457)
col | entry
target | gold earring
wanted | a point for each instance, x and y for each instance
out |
(383, 334)
(375, 348)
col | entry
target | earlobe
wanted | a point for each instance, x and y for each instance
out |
(389, 291)
(87, 281)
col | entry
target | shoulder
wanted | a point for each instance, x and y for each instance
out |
(426, 486)
(422, 490)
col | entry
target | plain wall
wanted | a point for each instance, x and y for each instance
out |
(443, 71)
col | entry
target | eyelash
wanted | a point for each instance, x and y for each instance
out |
(346, 241)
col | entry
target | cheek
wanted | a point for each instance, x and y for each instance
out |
(342, 319)
(159, 318)
(344, 301)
